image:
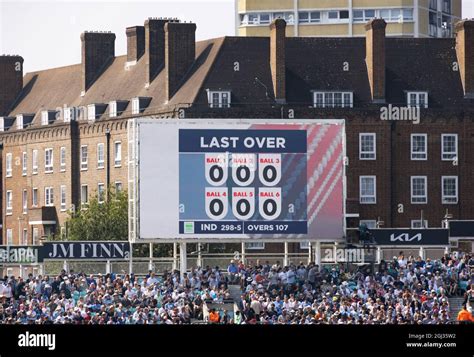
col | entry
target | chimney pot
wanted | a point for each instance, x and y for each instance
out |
(375, 58)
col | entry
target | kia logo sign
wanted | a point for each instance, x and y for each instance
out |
(411, 237)
(405, 237)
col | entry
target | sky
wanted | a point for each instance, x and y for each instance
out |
(47, 33)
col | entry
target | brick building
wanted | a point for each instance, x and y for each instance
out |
(64, 130)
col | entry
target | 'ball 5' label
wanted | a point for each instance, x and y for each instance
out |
(243, 203)
(269, 202)
(217, 203)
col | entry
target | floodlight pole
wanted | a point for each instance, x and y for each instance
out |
(317, 253)
(285, 258)
(130, 260)
(175, 256)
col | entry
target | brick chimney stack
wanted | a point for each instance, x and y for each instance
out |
(11, 84)
(180, 53)
(375, 58)
(135, 43)
(465, 55)
(277, 59)
(155, 46)
(98, 51)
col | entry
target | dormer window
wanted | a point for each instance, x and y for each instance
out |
(139, 104)
(219, 99)
(2, 124)
(47, 117)
(333, 99)
(94, 111)
(117, 107)
(417, 99)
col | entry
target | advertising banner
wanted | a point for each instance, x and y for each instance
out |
(411, 237)
(240, 179)
(65, 251)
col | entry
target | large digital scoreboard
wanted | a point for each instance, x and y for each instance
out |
(237, 179)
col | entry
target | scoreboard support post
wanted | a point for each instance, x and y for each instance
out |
(243, 252)
(317, 253)
(182, 259)
(175, 256)
(285, 258)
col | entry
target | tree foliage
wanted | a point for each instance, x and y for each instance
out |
(98, 221)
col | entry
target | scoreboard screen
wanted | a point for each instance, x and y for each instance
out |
(244, 179)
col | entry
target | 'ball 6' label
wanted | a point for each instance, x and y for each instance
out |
(269, 202)
(269, 169)
(243, 202)
(216, 169)
(217, 202)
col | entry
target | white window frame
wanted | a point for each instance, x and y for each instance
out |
(418, 95)
(135, 106)
(24, 201)
(310, 20)
(100, 196)
(9, 236)
(24, 237)
(321, 99)
(113, 109)
(34, 162)
(19, 121)
(63, 197)
(9, 164)
(421, 155)
(84, 198)
(254, 245)
(413, 197)
(370, 155)
(34, 197)
(121, 186)
(9, 202)
(91, 112)
(24, 163)
(449, 199)
(367, 197)
(370, 223)
(304, 245)
(49, 196)
(62, 158)
(118, 154)
(417, 224)
(84, 157)
(48, 168)
(100, 161)
(35, 235)
(44, 117)
(449, 156)
(220, 95)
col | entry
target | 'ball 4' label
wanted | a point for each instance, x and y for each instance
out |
(269, 169)
(216, 169)
(269, 202)
(243, 202)
(243, 169)
(217, 203)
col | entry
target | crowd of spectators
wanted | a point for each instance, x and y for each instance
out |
(406, 290)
